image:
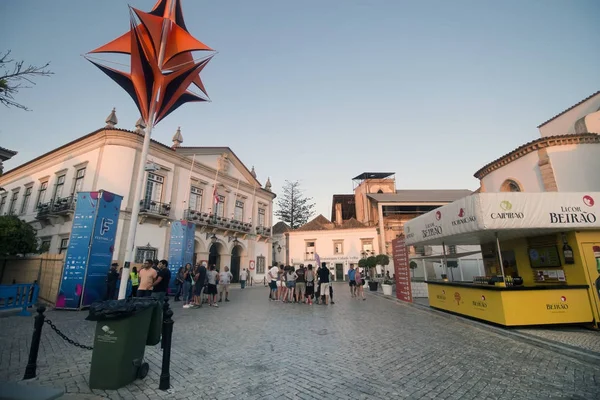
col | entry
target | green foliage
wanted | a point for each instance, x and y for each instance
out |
(293, 207)
(17, 237)
(362, 263)
(413, 265)
(383, 260)
(387, 281)
(371, 262)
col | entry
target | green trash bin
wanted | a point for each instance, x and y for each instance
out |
(155, 329)
(119, 344)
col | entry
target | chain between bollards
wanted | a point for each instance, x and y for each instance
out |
(167, 334)
(30, 370)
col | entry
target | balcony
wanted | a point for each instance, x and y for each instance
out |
(60, 207)
(154, 210)
(263, 231)
(212, 221)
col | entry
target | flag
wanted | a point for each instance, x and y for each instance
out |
(318, 259)
(215, 195)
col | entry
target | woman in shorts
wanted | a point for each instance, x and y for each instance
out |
(310, 284)
(359, 285)
(213, 278)
(290, 278)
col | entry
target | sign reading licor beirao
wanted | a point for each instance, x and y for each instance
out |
(401, 270)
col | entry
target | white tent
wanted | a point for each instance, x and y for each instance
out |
(487, 217)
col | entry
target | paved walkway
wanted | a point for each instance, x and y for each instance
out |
(254, 349)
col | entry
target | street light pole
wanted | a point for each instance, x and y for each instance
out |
(135, 209)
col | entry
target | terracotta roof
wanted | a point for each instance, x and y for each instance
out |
(535, 145)
(320, 223)
(568, 109)
(352, 223)
(281, 227)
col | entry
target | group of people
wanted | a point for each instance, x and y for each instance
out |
(305, 285)
(151, 280)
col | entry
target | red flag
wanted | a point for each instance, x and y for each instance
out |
(215, 195)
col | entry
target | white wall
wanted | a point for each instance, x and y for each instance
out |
(524, 170)
(566, 123)
(576, 167)
(352, 246)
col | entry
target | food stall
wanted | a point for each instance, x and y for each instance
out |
(541, 254)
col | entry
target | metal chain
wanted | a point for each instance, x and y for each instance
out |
(65, 338)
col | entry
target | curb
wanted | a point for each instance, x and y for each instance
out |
(580, 354)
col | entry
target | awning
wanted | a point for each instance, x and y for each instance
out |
(478, 218)
(448, 256)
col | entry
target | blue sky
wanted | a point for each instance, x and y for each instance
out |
(320, 91)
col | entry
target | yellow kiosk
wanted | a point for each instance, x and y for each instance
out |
(541, 254)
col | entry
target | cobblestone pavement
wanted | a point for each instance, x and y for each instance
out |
(254, 349)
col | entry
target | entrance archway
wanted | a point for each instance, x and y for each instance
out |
(236, 257)
(214, 256)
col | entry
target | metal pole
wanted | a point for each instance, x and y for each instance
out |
(30, 370)
(500, 258)
(445, 261)
(135, 210)
(167, 331)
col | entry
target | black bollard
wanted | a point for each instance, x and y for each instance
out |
(167, 331)
(164, 314)
(35, 343)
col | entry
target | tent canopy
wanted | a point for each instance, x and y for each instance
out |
(479, 218)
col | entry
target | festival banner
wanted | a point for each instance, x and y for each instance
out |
(181, 248)
(74, 281)
(102, 246)
(401, 270)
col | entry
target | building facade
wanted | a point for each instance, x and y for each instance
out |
(179, 184)
(565, 158)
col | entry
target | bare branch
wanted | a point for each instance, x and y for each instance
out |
(15, 77)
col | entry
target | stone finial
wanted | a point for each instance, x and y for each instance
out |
(268, 184)
(140, 125)
(177, 138)
(253, 172)
(112, 120)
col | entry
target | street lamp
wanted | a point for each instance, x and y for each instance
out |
(213, 238)
(279, 249)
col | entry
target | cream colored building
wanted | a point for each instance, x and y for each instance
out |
(179, 184)
(566, 157)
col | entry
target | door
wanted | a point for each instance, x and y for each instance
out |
(235, 264)
(592, 271)
(339, 272)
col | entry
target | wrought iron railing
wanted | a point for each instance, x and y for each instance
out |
(155, 207)
(207, 219)
(263, 230)
(63, 205)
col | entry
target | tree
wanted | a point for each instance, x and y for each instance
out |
(14, 76)
(294, 208)
(371, 264)
(413, 265)
(17, 237)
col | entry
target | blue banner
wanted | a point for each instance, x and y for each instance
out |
(181, 248)
(84, 248)
(102, 248)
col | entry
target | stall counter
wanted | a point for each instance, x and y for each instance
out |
(513, 306)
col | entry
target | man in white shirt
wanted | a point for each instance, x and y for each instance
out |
(243, 277)
(272, 275)
(224, 280)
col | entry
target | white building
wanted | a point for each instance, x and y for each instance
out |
(566, 157)
(280, 243)
(339, 245)
(179, 184)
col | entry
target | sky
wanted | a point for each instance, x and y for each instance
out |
(321, 91)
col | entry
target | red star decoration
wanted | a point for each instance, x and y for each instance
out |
(158, 85)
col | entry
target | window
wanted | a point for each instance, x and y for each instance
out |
(2, 203)
(452, 249)
(510, 185)
(64, 245)
(78, 187)
(260, 264)
(261, 217)
(45, 244)
(12, 207)
(367, 246)
(238, 213)
(220, 206)
(338, 247)
(144, 253)
(26, 198)
(42, 193)
(195, 199)
(58, 189)
(154, 188)
(309, 250)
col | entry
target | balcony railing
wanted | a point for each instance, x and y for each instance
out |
(210, 220)
(149, 207)
(61, 206)
(263, 230)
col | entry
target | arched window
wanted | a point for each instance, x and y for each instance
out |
(510, 186)
(380, 191)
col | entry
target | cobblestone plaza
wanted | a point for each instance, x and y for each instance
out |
(251, 348)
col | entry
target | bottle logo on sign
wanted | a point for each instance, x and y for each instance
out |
(561, 306)
(506, 207)
(438, 215)
(588, 200)
(463, 219)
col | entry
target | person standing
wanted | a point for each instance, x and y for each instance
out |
(300, 284)
(187, 285)
(290, 280)
(243, 277)
(213, 278)
(112, 278)
(147, 277)
(135, 281)
(324, 273)
(179, 284)
(224, 280)
(199, 285)
(359, 285)
(310, 284)
(161, 284)
(352, 280)
(272, 275)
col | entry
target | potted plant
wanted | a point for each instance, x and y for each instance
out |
(413, 265)
(387, 286)
(371, 263)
